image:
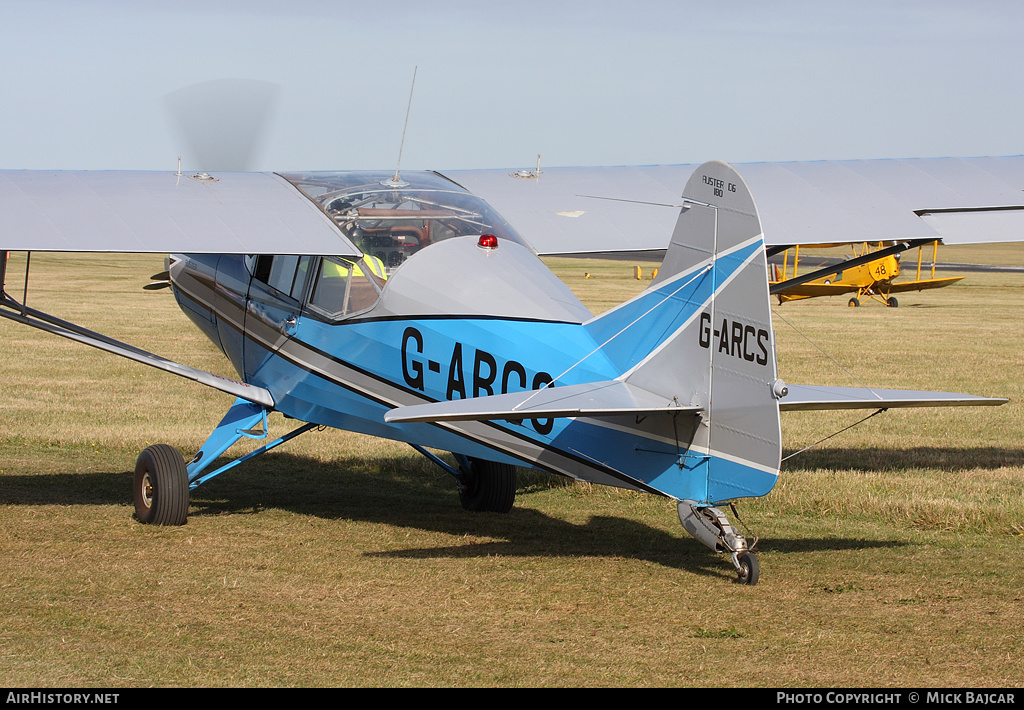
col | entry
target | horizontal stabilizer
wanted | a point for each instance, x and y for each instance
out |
(592, 399)
(808, 397)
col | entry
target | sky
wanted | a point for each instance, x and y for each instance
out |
(85, 85)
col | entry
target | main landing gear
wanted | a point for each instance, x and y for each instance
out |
(161, 486)
(484, 486)
(163, 481)
(712, 528)
(889, 301)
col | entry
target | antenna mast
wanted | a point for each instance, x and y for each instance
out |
(395, 180)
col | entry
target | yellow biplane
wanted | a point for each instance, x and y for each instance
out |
(874, 279)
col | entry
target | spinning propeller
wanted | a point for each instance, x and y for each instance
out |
(223, 122)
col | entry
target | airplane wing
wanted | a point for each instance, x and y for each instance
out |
(922, 285)
(814, 290)
(810, 397)
(162, 212)
(156, 212)
(629, 210)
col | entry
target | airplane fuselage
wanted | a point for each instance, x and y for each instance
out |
(465, 316)
(347, 373)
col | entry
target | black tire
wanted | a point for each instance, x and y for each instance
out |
(853, 303)
(488, 487)
(161, 486)
(892, 302)
(749, 571)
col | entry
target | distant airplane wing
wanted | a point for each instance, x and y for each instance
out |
(922, 285)
(162, 212)
(811, 397)
(631, 210)
(815, 290)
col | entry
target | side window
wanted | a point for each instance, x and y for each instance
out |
(282, 273)
(345, 286)
(285, 273)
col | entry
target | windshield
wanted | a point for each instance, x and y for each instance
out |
(394, 222)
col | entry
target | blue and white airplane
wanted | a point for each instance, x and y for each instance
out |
(405, 307)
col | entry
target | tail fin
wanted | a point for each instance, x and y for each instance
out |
(693, 412)
(701, 336)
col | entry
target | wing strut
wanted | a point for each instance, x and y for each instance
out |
(19, 312)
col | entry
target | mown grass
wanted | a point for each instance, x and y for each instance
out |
(890, 554)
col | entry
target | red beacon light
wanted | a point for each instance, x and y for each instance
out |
(487, 241)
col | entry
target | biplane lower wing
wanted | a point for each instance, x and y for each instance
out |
(817, 290)
(812, 397)
(922, 285)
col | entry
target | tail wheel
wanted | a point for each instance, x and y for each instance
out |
(749, 571)
(488, 487)
(161, 486)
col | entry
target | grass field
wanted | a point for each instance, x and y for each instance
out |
(891, 555)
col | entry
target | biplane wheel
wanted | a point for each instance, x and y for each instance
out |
(749, 570)
(161, 486)
(853, 303)
(892, 302)
(488, 487)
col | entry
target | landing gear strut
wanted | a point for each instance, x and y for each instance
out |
(484, 486)
(713, 529)
(163, 480)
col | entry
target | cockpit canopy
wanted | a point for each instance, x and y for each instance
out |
(392, 220)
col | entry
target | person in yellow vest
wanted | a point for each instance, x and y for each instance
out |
(337, 293)
(332, 269)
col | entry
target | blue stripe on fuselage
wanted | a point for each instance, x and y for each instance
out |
(653, 316)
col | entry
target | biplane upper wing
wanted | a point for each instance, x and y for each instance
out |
(162, 212)
(630, 209)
